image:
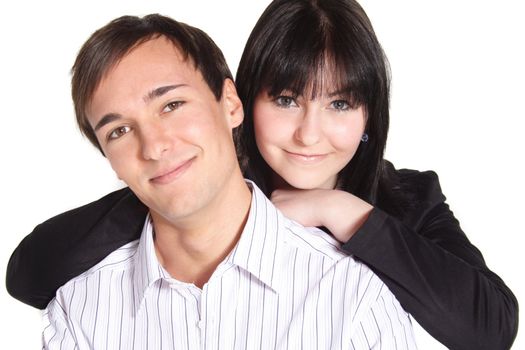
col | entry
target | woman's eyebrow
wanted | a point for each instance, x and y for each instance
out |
(338, 93)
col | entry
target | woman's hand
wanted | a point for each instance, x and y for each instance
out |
(340, 212)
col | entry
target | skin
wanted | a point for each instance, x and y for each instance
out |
(340, 212)
(162, 130)
(307, 142)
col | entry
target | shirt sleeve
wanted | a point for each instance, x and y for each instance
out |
(437, 275)
(71, 243)
(57, 334)
(384, 326)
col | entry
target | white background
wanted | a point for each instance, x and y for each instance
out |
(457, 108)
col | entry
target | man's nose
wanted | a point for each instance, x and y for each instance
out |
(155, 141)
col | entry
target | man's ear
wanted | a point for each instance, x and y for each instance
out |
(232, 104)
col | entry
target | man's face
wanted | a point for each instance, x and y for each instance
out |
(164, 132)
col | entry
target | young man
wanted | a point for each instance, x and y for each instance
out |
(217, 266)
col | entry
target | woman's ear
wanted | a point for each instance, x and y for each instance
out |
(232, 103)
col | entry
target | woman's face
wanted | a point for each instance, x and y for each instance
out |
(307, 141)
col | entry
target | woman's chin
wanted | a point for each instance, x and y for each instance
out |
(309, 184)
(301, 181)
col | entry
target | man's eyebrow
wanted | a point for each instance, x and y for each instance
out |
(108, 118)
(158, 92)
(155, 93)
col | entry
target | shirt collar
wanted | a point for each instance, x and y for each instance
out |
(259, 249)
(147, 267)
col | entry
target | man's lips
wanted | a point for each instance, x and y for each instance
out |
(168, 175)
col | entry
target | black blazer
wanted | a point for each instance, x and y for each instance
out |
(411, 240)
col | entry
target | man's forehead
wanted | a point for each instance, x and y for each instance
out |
(143, 70)
(154, 58)
(156, 49)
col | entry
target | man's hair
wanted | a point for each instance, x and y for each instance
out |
(109, 44)
(294, 46)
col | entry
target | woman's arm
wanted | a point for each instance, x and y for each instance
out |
(422, 255)
(435, 272)
(340, 212)
(70, 243)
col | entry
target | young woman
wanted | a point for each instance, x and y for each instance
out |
(315, 87)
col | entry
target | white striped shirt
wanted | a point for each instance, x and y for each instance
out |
(282, 287)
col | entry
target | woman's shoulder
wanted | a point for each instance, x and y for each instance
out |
(418, 182)
(405, 191)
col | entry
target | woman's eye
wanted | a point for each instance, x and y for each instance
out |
(285, 101)
(118, 132)
(173, 106)
(340, 105)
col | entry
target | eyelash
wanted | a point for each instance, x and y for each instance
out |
(291, 102)
(117, 132)
(122, 130)
(173, 106)
(340, 109)
(279, 101)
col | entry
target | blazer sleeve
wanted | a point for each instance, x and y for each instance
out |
(437, 275)
(70, 243)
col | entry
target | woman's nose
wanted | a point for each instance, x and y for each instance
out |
(308, 132)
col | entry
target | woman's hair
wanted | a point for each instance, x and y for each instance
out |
(109, 44)
(299, 45)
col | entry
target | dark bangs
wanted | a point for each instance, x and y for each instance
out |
(317, 47)
(308, 61)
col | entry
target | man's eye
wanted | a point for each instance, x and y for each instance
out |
(340, 105)
(285, 101)
(173, 106)
(118, 132)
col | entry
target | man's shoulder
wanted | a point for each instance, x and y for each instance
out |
(354, 279)
(119, 260)
(312, 240)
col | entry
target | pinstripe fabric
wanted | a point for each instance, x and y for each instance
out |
(282, 287)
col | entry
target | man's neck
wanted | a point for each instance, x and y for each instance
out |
(191, 250)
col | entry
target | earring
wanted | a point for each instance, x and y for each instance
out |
(364, 138)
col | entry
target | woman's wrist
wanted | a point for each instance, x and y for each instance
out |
(343, 214)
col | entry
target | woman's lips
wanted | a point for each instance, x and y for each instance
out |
(167, 176)
(306, 158)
